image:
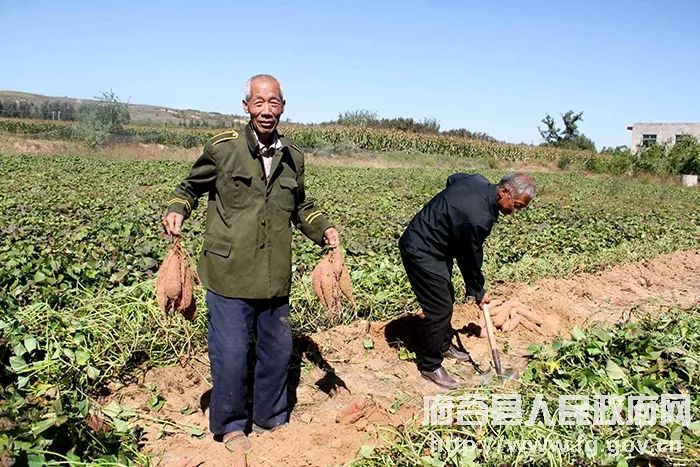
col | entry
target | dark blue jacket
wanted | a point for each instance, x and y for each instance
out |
(454, 225)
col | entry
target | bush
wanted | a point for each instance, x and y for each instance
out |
(358, 118)
(564, 161)
(464, 133)
(579, 142)
(368, 118)
(684, 157)
(102, 119)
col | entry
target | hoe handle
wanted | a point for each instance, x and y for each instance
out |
(492, 340)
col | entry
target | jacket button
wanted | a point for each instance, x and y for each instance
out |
(262, 245)
(262, 222)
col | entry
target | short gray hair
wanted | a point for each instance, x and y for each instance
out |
(249, 83)
(519, 184)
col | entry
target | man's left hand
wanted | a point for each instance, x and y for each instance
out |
(484, 300)
(331, 237)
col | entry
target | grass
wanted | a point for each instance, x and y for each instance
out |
(82, 239)
(657, 355)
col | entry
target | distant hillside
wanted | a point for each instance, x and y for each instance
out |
(141, 113)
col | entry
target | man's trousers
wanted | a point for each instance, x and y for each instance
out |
(436, 296)
(234, 325)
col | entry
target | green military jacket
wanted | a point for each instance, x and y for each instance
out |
(248, 239)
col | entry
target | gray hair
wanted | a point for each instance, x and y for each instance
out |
(248, 85)
(519, 184)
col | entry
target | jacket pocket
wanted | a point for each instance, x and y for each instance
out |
(286, 197)
(216, 247)
(236, 190)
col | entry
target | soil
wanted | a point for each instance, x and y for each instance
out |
(345, 393)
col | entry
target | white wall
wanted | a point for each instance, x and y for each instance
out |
(665, 132)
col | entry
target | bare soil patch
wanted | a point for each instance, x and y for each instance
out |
(346, 392)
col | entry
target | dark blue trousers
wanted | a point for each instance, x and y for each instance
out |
(232, 324)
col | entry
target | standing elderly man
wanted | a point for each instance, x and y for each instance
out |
(454, 225)
(255, 186)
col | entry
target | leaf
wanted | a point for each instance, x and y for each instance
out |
(36, 460)
(614, 371)
(112, 410)
(577, 334)
(81, 357)
(156, 402)
(19, 349)
(368, 343)
(187, 410)
(30, 343)
(195, 432)
(676, 432)
(534, 349)
(120, 425)
(622, 463)
(695, 426)
(366, 451)
(70, 354)
(39, 277)
(44, 424)
(17, 364)
(93, 373)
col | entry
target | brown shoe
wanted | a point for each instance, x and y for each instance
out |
(440, 377)
(455, 353)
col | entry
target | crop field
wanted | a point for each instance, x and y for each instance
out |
(81, 240)
(314, 136)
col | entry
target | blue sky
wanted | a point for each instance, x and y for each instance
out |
(491, 66)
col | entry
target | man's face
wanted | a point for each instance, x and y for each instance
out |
(508, 204)
(265, 106)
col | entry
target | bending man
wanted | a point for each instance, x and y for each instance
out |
(454, 225)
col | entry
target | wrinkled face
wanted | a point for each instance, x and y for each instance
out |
(507, 204)
(265, 105)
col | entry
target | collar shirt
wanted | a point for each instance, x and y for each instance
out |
(266, 152)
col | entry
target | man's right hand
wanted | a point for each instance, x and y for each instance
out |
(173, 223)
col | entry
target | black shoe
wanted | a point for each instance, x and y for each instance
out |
(455, 353)
(440, 377)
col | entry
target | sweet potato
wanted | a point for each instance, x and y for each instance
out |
(500, 316)
(511, 324)
(170, 269)
(330, 279)
(175, 283)
(186, 296)
(530, 314)
(346, 284)
(529, 325)
(316, 279)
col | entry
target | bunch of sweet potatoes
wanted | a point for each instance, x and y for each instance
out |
(175, 283)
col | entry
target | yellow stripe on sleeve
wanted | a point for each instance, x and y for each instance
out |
(181, 201)
(313, 217)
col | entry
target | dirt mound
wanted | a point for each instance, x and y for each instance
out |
(345, 390)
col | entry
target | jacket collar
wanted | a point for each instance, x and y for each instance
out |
(252, 140)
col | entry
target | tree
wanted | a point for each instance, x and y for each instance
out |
(569, 137)
(102, 119)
